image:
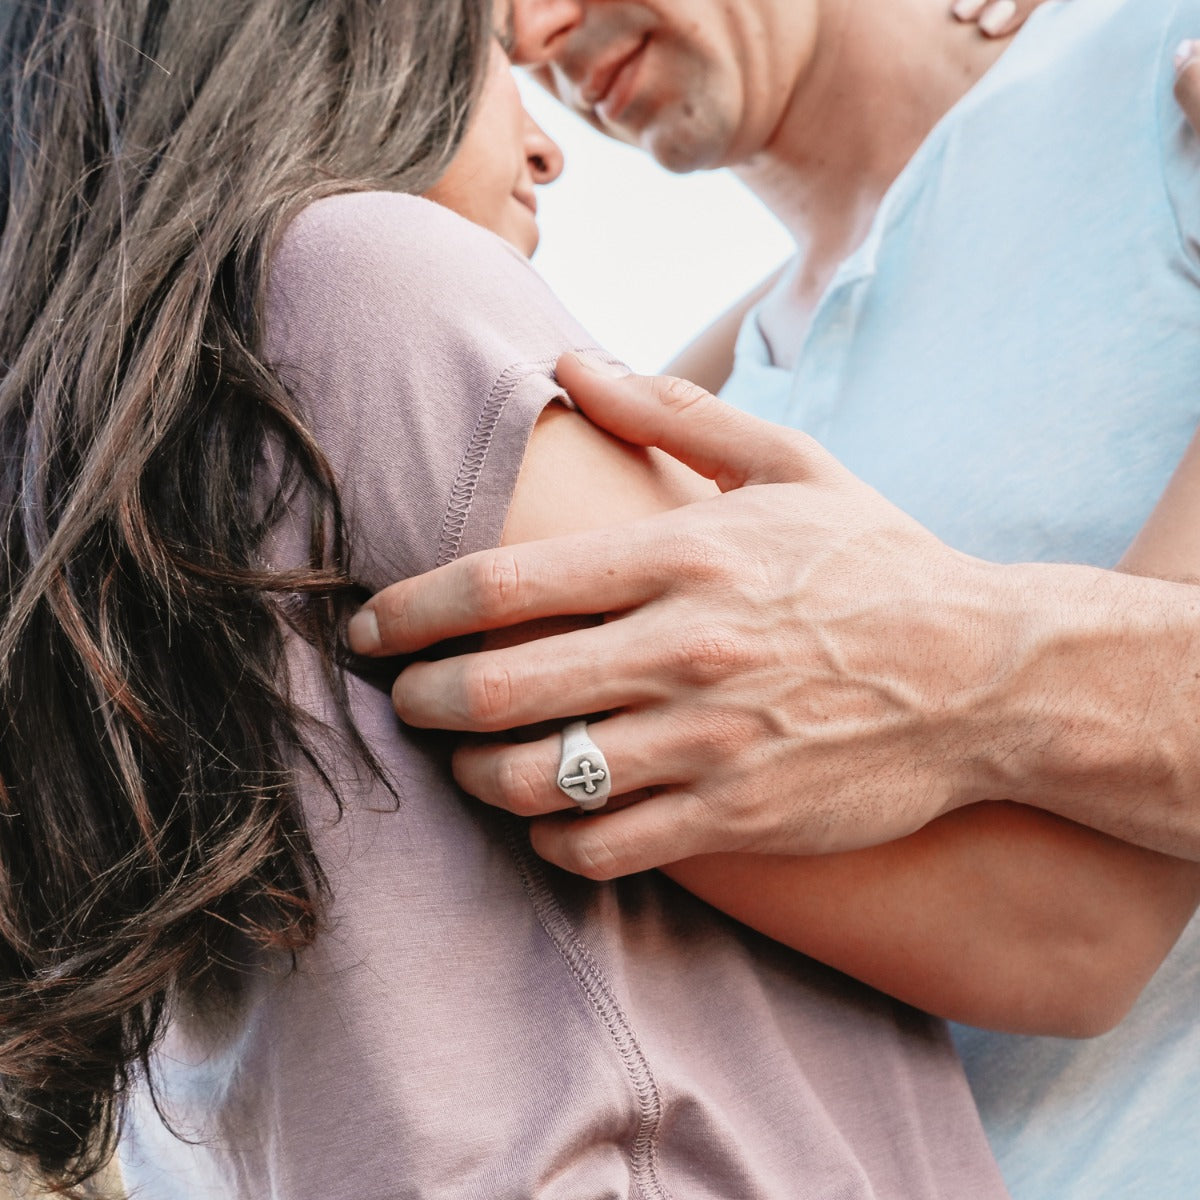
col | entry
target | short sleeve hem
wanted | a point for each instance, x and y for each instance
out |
(493, 459)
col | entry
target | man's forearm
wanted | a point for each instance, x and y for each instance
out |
(1097, 717)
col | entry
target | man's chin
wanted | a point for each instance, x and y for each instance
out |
(682, 150)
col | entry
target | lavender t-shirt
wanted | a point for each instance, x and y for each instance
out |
(474, 1023)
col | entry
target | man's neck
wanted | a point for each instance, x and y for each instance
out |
(881, 77)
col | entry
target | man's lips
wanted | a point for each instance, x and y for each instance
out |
(604, 74)
(529, 199)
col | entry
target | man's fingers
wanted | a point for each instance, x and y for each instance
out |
(968, 10)
(690, 424)
(995, 18)
(1187, 81)
(523, 777)
(494, 589)
(999, 18)
(552, 678)
(654, 831)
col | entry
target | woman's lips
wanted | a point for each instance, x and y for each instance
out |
(529, 199)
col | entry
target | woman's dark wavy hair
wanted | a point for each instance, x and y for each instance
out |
(150, 153)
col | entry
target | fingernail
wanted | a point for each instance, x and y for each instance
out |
(600, 366)
(363, 632)
(1184, 53)
(967, 10)
(996, 17)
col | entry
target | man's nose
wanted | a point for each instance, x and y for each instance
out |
(541, 26)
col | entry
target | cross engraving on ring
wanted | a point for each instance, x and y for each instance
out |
(588, 777)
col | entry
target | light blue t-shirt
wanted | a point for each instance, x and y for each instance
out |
(1013, 357)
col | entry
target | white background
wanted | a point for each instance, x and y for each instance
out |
(642, 258)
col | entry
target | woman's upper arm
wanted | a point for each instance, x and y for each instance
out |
(576, 477)
(418, 348)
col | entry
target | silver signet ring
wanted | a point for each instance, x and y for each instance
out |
(582, 772)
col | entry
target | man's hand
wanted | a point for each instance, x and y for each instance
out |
(995, 18)
(1187, 82)
(786, 668)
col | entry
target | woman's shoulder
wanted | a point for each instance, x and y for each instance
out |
(400, 245)
(420, 350)
(415, 274)
(359, 229)
(343, 213)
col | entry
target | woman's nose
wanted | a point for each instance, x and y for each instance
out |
(542, 154)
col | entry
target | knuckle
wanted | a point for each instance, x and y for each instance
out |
(707, 652)
(588, 853)
(806, 445)
(493, 585)
(680, 395)
(520, 787)
(487, 695)
(699, 559)
(804, 456)
(394, 616)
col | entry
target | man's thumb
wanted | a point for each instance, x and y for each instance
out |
(690, 424)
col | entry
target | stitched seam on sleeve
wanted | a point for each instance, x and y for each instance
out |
(470, 470)
(643, 1153)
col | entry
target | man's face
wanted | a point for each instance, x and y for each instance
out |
(692, 82)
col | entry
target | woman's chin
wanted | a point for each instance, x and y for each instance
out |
(522, 229)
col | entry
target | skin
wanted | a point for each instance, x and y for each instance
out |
(504, 156)
(1054, 929)
(708, 50)
(708, 359)
(746, 620)
(1187, 85)
(1021, 689)
(995, 18)
(768, 87)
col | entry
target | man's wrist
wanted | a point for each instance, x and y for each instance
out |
(1093, 710)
